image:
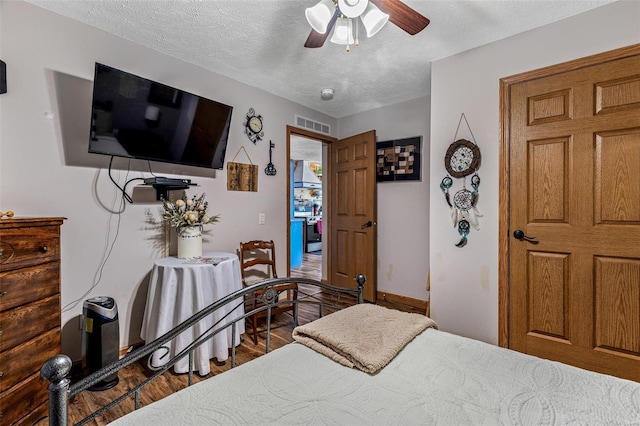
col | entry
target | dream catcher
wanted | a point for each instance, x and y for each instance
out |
(461, 160)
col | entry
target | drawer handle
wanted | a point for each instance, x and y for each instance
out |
(45, 249)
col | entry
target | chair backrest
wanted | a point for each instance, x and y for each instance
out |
(257, 261)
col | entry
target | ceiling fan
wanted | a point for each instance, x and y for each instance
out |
(327, 14)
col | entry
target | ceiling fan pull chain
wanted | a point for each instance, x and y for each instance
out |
(357, 42)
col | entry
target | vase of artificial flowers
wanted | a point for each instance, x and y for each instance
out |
(188, 215)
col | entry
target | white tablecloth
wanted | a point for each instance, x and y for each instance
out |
(178, 289)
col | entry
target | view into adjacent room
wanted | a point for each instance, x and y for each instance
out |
(307, 247)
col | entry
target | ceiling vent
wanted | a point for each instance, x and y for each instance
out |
(316, 126)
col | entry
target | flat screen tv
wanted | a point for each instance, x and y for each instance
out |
(134, 117)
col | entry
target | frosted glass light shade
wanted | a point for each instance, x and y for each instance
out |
(373, 19)
(352, 8)
(342, 32)
(319, 15)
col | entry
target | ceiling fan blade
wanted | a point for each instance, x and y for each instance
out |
(402, 15)
(316, 39)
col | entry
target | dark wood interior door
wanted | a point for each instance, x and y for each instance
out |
(574, 217)
(353, 212)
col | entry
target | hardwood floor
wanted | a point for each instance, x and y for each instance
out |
(311, 266)
(169, 382)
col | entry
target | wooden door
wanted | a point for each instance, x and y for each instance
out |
(353, 212)
(574, 192)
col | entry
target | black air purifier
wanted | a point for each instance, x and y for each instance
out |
(100, 338)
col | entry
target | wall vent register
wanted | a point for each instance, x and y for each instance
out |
(314, 125)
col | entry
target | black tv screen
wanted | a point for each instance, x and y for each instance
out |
(138, 118)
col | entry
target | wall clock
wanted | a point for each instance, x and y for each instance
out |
(253, 126)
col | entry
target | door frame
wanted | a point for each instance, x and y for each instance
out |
(326, 200)
(505, 144)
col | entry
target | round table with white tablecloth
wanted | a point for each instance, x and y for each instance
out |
(179, 288)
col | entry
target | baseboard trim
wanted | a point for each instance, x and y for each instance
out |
(395, 298)
(132, 346)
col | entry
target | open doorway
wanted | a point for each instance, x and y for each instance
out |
(348, 208)
(308, 252)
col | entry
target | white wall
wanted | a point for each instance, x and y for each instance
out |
(50, 61)
(464, 283)
(403, 207)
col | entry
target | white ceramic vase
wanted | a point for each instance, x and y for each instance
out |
(189, 242)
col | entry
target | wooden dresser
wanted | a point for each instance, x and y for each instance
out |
(29, 314)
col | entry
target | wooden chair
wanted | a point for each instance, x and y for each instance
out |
(258, 263)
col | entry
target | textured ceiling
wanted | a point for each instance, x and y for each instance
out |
(305, 149)
(260, 42)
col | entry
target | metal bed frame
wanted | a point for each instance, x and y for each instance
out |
(267, 293)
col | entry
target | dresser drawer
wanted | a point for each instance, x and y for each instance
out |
(21, 361)
(26, 322)
(20, 247)
(29, 284)
(26, 401)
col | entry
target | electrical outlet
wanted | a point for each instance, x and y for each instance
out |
(261, 219)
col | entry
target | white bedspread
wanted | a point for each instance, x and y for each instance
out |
(438, 378)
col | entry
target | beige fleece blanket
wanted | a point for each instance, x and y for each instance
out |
(363, 336)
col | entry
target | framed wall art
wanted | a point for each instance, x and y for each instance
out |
(399, 160)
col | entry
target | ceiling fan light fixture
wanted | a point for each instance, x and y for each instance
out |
(319, 15)
(352, 8)
(373, 19)
(342, 32)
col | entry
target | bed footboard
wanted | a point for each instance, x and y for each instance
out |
(326, 297)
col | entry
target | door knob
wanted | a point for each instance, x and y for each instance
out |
(366, 225)
(519, 234)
